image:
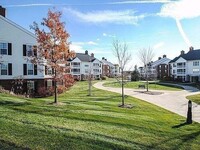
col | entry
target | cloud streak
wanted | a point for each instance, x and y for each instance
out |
(141, 2)
(107, 16)
(178, 10)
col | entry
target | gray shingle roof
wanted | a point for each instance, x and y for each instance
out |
(191, 55)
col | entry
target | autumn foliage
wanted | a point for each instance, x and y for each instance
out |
(53, 49)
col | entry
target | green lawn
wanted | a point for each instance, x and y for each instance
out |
(134, 85)
(194, 98)
(94, 123)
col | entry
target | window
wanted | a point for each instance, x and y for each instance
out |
(49, 71)
(86, 65)
(195, 70)
(196, 63)
(3, 48)
(174, 71)
(86, 71)
(4, 69)
(30, 69)
(174, 65)
(49, 83)
(29, 50)
(30, 85)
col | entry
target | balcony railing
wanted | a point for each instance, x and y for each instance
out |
(181, 66)
(75, 72)
(75, 66)
(180, 72)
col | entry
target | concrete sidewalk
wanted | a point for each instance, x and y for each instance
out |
(174, 101)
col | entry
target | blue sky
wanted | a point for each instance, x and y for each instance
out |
(164, 25)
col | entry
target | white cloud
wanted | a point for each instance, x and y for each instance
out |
(92, 43)
(77, 48)
(158, 45)
(109, 35)
(141, 2)
(117, 17)
(183, 9)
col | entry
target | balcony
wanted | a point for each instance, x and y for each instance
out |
(180, 73)
(75, 72)
(75, 66)
(181, 66)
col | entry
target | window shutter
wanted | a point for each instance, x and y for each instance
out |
(24, 50)
(9, 69)
(35, 69)
(53, 71)
(25, 69)
(53, 82)
(45, 70)
(46, 84)
(35, 50)
(9, 48)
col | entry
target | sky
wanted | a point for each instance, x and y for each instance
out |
(166, 26)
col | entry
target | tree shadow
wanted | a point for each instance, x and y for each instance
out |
(12, 103)
(10, 145)
(180, 125)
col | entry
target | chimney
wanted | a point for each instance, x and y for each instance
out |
(159, 58)
(191, 48)
(2, 11)
(92, 55)
(103, 58)
(182, 52)
(86, 52)
(164, 56)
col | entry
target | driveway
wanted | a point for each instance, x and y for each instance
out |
(174, 101)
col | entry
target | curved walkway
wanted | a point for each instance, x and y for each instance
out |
(174, 101)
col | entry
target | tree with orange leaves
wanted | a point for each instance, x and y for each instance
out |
(53, 48)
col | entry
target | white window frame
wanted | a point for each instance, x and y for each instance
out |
(29, 50)
(30, 85)
(3, 46)
(4, 67)
(49, 83)
(30, 68)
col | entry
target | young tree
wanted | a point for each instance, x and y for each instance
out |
(135, 75)
(120, 51)
(53, 47)
(146, 56)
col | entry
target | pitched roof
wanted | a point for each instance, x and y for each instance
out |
(191, 55)
(105, 62)
(84, 57)
(164, 60)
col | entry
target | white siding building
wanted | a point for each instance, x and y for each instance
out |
(84, 65)
(16, 45)
(186, 67)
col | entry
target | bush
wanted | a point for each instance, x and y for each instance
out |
(103, 78)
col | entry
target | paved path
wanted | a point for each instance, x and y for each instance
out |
(174, 101)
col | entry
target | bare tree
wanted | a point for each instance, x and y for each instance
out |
(146, 56)
(120, 51)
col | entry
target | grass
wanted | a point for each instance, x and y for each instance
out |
(91, 123)
(153, 86)
(194, 98)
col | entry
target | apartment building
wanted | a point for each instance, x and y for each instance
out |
(158, 69)
(84, 65)
(16, 46)
(186, 67)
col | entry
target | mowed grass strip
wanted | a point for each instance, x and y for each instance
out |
(135, 84)
(194, 98)
(91, 122)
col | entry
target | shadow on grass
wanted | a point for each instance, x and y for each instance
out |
(12, 103)
(9, 145)
(181, 125)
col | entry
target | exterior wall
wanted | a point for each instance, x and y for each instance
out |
(11, 33)
(85, 69)
(191, 74)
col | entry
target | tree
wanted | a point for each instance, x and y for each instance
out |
(120, 51)
(135, 75)
(146, 56)
(53, 47)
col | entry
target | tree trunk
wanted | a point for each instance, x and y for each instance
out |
(55, 88)
(122, 88)
(90, 86)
